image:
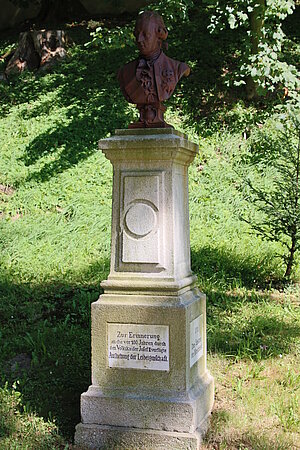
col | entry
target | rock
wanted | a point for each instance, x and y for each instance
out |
(19, 364)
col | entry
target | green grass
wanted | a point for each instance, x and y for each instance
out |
(23, 430)
(54, 251)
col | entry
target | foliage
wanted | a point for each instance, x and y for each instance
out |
(269, 388)
(116, 37)
(275, 153)
(236, 13)
(22, 430)
(260, 56)
(173, 11)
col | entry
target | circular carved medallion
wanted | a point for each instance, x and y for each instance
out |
(140, 219)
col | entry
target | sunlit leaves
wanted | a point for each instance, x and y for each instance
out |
(263, 40)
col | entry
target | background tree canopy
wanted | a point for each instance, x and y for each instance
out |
(55, 10)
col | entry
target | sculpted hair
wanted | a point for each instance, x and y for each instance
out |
(147, 16)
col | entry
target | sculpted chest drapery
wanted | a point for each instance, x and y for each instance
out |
(152, 78)
(167, 73)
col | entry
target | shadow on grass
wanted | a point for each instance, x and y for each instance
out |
(221, 268)
(49, 326)
(86, 86)
(242, 320)
(95, 107)
(85, 89)
(237, 330)
(222, 435)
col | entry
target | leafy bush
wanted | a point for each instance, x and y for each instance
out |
(20, 429)
(275, 154)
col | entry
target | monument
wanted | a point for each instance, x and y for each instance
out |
(152, 78)
(150, 385)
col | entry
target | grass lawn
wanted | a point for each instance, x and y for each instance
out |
(55, 206)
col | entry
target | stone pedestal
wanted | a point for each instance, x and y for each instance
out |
(150, 386)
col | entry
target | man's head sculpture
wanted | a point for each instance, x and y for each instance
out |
(152, 77)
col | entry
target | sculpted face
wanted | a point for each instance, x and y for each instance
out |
(147, 37)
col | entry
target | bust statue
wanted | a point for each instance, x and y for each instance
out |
(152, 77)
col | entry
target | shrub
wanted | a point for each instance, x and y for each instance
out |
(274, 153)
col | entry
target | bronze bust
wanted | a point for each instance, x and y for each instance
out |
(152, 77)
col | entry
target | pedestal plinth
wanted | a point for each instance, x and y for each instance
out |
(150, 386)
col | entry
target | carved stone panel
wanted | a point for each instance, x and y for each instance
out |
(141, 227)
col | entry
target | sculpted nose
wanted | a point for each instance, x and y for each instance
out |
(140, 37)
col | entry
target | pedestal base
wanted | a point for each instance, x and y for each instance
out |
(133, 405)
(94, 437)
(180, 412)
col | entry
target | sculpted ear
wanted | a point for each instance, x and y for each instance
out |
(162, 33)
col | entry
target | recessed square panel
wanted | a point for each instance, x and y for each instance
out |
(140, 219)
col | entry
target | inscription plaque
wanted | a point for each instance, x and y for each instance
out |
(196, 339)
(132, 346)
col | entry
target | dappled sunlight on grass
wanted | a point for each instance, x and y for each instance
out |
(19, 427)
(238, 328)
(61, 116)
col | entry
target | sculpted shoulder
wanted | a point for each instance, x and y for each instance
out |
(179, 68)
(168, 72)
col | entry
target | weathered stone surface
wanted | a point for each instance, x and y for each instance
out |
(150, 171)
(175, 412)
(94, 437)
(177, 313)
(150, 307)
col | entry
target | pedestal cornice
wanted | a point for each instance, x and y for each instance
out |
(166, 144)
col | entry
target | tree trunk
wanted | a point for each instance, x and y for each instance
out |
(38, 49)
(296, 225)
(25, 56)
(291, 258)
(256, 17)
